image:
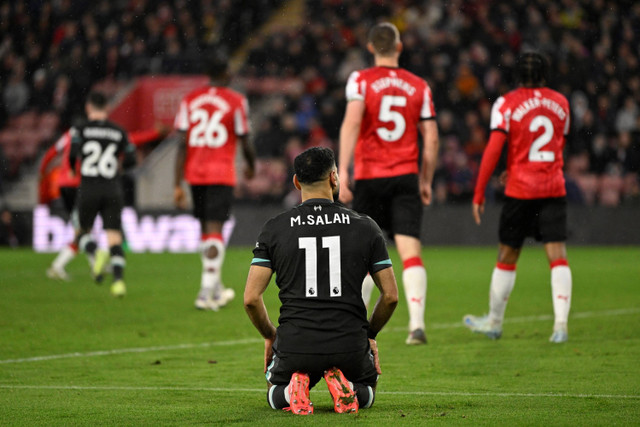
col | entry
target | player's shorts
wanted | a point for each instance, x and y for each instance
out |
(357, 367)
(543, 219)
(394, 203)
(212, 202)
(68, 196)
(101, 198)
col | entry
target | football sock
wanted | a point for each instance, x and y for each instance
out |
(365, 395)
(414, 279)
(118, 261)
(367, 288)
(88, 245)
(561, 284)
(212, 267)
(65, 256)
(502, 281)
(227, 229)
(278, 396)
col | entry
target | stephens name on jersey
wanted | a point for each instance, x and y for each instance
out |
(320, 252)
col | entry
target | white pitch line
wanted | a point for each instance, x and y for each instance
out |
(263, 390)
(524, 319)
(133, 350)
(527, 319)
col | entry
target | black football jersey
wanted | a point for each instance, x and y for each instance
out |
(320, 252)
(99, 144)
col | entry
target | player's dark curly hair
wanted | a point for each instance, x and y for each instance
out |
(216, 64)
(314, 164)
(97, 99)
(531, 69)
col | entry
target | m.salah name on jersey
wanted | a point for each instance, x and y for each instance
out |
(322, 219)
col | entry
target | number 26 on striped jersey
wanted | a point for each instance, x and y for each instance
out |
(207, 130)
(332, 243)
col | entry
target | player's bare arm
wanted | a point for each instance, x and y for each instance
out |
(373, 345)
(477, 211)
(178, 193)
(385, 280)
(257, 282)
(249, 153)
(349, 132)
(431, 142)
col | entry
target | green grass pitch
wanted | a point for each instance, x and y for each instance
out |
(70, 354)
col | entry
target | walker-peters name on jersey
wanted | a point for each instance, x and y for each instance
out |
(178, 232)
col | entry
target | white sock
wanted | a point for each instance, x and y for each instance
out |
(367, 287)
(227, 229)
(414, 280)
(502, 282)
(561, 294)
(64, 257)
(286, 394)
(211, 268)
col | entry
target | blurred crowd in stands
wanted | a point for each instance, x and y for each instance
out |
(53, 51)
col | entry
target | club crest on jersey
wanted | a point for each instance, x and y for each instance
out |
(321, 219)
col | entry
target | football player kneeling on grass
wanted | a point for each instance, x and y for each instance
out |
(320, 252)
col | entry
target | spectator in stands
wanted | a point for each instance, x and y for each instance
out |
(16, 93)
(469, 44)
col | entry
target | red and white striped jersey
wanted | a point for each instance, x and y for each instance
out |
(213, 118)
(536, 121)
(395, 102)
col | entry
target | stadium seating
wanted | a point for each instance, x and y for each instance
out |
(299, 65)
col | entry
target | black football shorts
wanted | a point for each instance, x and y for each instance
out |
(394, 203)
(357, 367)
(543, 219)
(68, 196)
(212, 202)
(101, 198)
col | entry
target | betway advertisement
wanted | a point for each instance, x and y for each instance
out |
(172, 232)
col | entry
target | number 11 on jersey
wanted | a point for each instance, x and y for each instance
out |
(332, 243)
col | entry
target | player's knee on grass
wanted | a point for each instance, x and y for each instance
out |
(366, 395)
(276, 397)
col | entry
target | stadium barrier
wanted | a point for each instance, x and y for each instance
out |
(172, 231)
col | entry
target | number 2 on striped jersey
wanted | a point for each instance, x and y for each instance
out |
(535, 155)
